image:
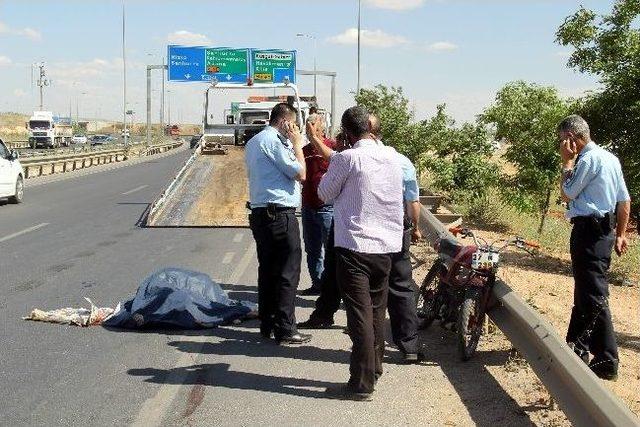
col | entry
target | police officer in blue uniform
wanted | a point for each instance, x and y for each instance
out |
(598, 207)
(275, 165)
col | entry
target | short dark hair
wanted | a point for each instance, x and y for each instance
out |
(355, 121)
(279, 111)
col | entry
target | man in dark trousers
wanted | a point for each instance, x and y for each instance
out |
(402, 289)
(275, 164)
(599, 206)
(365, 185)
(401, 302)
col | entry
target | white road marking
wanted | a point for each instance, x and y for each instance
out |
(25, 231)
(155, 409)
(134, 190)
(228, 257)
(238, 237)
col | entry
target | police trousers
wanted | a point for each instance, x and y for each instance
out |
(277, 237)
(590, 327)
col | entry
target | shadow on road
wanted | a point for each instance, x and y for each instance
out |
(250, 293)
(487, 402)
(219, 375)
(252, 344)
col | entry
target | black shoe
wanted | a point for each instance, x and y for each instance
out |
(344, 392)
(418, 357)
(294, 339)
(314, 323)
(606, 375)
(310, 292)
(266, 333)
(606, 372)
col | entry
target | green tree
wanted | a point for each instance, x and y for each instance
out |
(399, 130)
(608, 46)
(526, 115)
(457, 157)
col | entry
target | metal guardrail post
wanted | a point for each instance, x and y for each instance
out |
(579, 393)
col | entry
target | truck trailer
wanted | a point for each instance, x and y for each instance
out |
(47, 131)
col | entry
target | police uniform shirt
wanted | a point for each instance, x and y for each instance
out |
(272, 167)
(596, 184)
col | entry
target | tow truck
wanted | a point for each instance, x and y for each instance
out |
(212, 190)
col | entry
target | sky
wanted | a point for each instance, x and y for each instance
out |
(458, 52)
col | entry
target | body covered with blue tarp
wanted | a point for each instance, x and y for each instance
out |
(174, 297)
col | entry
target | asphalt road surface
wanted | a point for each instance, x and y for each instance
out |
(77, 236)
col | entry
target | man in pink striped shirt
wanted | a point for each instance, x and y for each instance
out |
(364, 184)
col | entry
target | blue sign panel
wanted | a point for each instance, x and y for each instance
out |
(230, 65)
(203, 64)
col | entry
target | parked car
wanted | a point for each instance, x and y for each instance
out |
(111, 138)
(99, 140)
(11, 175)
(79, 139)
(195, 141)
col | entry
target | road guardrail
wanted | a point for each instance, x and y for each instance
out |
(48, 165)
(12, 145)
(67, 162)
(579, 393)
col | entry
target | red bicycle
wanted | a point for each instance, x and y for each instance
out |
(457, 288)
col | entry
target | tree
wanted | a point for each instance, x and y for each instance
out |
(608, 46)
(527, 115)
(398, 127)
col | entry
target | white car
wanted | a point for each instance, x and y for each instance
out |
(79, 139)
(11, 175)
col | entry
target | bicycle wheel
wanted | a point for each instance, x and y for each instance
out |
(470, 321)
(426, 296)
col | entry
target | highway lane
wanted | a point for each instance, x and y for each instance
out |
(78, 237)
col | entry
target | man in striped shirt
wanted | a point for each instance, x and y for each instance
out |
(365, 185)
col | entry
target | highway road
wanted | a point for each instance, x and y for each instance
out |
(78, 237)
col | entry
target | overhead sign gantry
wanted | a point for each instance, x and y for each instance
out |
(230, 65)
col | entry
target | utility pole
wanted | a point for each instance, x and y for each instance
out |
(124, 78)
(169, 106)
(162, 98)
(358, 86)
(42, 82)
(315, 64)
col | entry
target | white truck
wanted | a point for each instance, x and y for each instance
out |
(256, 112)
(47, 131)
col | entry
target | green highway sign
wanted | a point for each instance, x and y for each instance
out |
(273, 66)
(227, 64)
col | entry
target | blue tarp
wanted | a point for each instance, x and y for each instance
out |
(179, 298)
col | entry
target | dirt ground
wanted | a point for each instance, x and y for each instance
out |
(544, 281)
(222, 199)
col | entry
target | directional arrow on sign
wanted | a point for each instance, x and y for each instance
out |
(187, 76)
(229, 77)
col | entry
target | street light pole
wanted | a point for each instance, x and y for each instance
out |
(358, 86)
(162, 98)
(315, 64)
(169, 105)
(124, 78)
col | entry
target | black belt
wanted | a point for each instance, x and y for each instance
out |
(279, 209)
(606, 224)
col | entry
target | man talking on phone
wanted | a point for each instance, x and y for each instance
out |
(599, 205)
(275, 165)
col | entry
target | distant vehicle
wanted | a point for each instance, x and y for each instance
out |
(113, 138)
(47, 131)
(254, 114)
(99, 139)
(195, 141)
(79, 139)
(172, 130)
(11, 175)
